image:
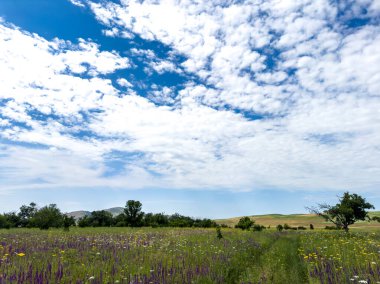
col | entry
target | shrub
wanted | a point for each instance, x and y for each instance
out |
(280, 228)
(245, 223)
(258, 228)
(219, 233)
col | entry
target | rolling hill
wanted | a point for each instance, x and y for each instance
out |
(79, 214)
(296, 220)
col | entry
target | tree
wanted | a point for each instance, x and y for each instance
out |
(133, 213)
(13, 219)
(350, 209)
(4, 224)
(245, 223)
(101, 218)
(68, 221)
(26, 213)
(84, 221)
(48, 216)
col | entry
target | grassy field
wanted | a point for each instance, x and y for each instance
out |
(296, 220)
(147, 255)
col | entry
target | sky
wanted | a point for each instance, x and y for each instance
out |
(206, 108)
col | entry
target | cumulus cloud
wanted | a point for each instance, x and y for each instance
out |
(280, 94)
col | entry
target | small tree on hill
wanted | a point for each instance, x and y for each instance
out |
(350, 209)
(245, 223)
(133, 213)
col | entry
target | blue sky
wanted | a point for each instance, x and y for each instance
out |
(214, 109)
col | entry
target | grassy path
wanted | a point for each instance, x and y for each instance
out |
(278, 263)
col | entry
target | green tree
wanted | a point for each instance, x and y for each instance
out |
(101, 218)
(26, 213)
(84, 221)
(350, 209)
(4, 224)
(13, 219)
(133, 213)
(245, 223)
(47, 217)
(68, 221)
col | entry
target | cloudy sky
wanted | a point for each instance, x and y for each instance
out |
(208, 108)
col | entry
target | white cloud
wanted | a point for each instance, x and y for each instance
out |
(78, 3)
(124, 82)
(290, 100)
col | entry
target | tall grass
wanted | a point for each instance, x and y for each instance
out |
(167, 255)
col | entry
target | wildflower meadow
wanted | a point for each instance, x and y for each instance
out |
(187, 255)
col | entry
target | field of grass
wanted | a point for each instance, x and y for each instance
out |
(147, 255)
(296, 220)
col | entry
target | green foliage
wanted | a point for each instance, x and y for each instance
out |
(258, 228)
(26, 213)
(46, 217)
(280, 228)
(156, 220)
(245, 223)
(350, 209)
(4, 224)
(219, 232)
(376, 218)
(12, 220)
(287, 227)
(177, 220)
(133, 213)
(84, 222)
(68, 222)
(119, 221)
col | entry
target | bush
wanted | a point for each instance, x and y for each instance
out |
(287, 227)
(245, 223)
(219, 233)
(280, 228)
(311, 227)
(301, 228)
(258, 228)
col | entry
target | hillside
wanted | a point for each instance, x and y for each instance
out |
(295, 220)
(79, 214)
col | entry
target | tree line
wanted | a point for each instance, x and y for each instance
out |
(50, 216)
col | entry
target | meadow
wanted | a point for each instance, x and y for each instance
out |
(173, 255)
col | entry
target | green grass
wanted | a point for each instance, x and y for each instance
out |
(167, 255)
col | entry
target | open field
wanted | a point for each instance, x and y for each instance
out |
(296, 220)
(167, 255)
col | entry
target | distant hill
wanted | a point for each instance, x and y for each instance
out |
(79, 214)
(295, 220)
